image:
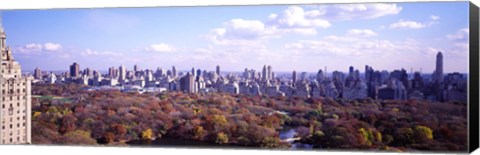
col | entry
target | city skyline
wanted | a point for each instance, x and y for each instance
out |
(386, 36)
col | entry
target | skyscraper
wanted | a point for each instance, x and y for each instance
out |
(218, 70)
(269, 72)
(199, 73)
(75, 70)
(294, 77)
(320, 76)
(15, 94)
(264, 73)
(88, 72)
(439, 68)
(187, 83)
(112, 72)
(350, 71)
(193, 71)
(37, 74)
(174, 71)
(136, 68)
(122, 73)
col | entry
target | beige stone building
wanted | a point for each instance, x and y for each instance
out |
(15, 99)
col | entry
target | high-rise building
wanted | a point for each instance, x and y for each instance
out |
(37, 74)
(269, 72)
(264, 73)
(218, 70)
(112, 72)
(350, 71)
(75, 70)
(438, 76)
(187, 83)
(294, 77)
(199, 73)
(15, 94)
(122, 73)
(174, 71)
(88, 72)
(136, 68)
(193, 71)
(320, 76)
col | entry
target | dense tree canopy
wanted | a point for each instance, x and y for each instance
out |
(66, 114)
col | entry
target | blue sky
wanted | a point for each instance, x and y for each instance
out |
(288, 37)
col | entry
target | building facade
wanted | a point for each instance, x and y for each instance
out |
(15, 94)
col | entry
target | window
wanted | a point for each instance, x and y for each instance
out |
(11, 126)
(3, 106)
(3, 127)
(10, 112)
(11, 140)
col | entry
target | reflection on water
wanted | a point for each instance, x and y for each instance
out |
(289, 134)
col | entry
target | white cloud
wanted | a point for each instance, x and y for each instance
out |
(460, 43)
(296, 17)
(460, 35)
(297, 20)
(161, 48)
(33, 47)
(403, 24)
(89, 52)
(242, 29)
(38, 48)
(361, 32)
(339, 12)
(52, 47)
(409, 24)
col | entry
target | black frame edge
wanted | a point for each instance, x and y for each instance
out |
(473, 104)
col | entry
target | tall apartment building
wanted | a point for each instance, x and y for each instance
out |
(15, 99)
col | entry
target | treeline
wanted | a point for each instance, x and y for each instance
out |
(114, 118)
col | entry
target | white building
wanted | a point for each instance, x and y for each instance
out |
(15, 112)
